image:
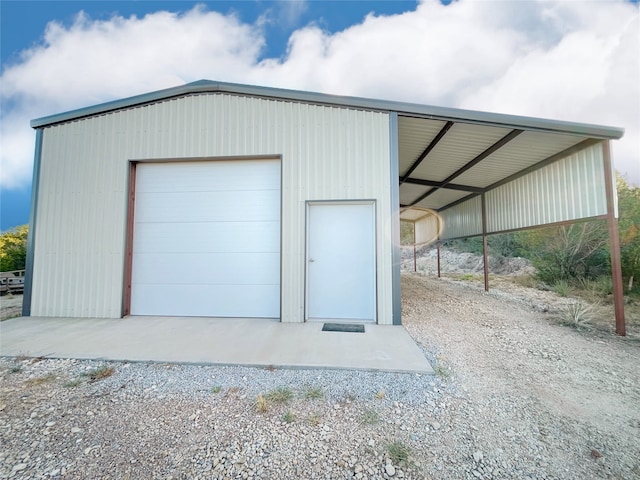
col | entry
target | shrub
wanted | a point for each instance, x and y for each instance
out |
(369, 417)
(577, 315)
(398, 452)
(562, 288)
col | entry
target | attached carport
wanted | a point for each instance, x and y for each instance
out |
(464, 174)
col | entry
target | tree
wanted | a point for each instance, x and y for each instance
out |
(13, 249)
(629, 225)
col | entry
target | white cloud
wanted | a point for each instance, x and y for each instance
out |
(566, 60)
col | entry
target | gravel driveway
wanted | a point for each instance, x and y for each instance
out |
(516, 396)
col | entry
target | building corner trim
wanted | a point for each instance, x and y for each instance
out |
(395, 218)
(35, 184)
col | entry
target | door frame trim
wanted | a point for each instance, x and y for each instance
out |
(364, 201)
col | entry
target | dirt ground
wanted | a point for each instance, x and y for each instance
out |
(10, 305)
(527, 373)
(516, 395)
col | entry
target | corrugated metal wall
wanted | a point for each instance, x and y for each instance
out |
(463, 220)
(327, 153)
(426, 229)
(569, 189)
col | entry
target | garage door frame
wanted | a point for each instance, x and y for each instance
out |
(131, 197)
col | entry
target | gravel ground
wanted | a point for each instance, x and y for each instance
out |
(516, 396)
(11, 304)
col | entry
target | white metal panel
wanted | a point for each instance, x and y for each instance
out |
(462, 143)
(569, 189)
(462, 220)
(427, 229)
(441, 197)
(414, 135)
(327, 153)
(410, 192)
(341, 262)
(522, 152)
(231, 212)
(412, 214)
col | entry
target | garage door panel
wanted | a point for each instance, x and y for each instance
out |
(263, 205)
(207, 239)
(208, 268)
(234, 301)
(197, 177)
(250, 237)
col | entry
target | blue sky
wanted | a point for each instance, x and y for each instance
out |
(555, 59)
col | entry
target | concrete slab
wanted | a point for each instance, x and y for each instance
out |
(225, 341)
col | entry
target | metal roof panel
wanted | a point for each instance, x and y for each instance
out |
(427, 111)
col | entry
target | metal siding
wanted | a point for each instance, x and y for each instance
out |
(440, 197)
(522, 152)
(462, 220)
(414, 134)
(426, 229)
(569, 189)
(409, 192)
(462, 143)
(327, 153)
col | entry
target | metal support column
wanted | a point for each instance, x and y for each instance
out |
(485, 256)
(614, 241)
(438, 258)
(415, 269)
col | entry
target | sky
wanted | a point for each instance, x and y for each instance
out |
(573, 60)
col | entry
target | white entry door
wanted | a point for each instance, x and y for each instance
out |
(341, 267)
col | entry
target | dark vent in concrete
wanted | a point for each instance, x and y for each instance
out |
(343, 327)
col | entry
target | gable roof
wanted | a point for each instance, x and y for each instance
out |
(444, 154)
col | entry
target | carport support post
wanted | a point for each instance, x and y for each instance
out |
(438, 244)
(485, 258)
(614, 241)
(415, 269)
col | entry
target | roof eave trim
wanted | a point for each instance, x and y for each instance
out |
(402, 108)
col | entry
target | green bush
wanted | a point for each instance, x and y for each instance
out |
(13, 249)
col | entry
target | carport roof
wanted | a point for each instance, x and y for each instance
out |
(444, 154)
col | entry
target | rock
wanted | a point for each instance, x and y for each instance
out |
(76, 430)
(372, 443)
(476, 473)
(19, 467)
(390, 469)
(477, 456)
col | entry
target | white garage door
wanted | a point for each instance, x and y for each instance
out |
(207, 239)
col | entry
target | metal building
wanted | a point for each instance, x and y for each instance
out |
(215, 199)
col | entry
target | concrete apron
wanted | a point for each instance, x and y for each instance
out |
(224, 341)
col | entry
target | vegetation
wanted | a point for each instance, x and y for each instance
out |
(288, 417)
(577, 315)
(398, 452)
(99, 373)
(13, 249)
(262, 405)
(313, 393)
(629, 224)
(279, 395)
